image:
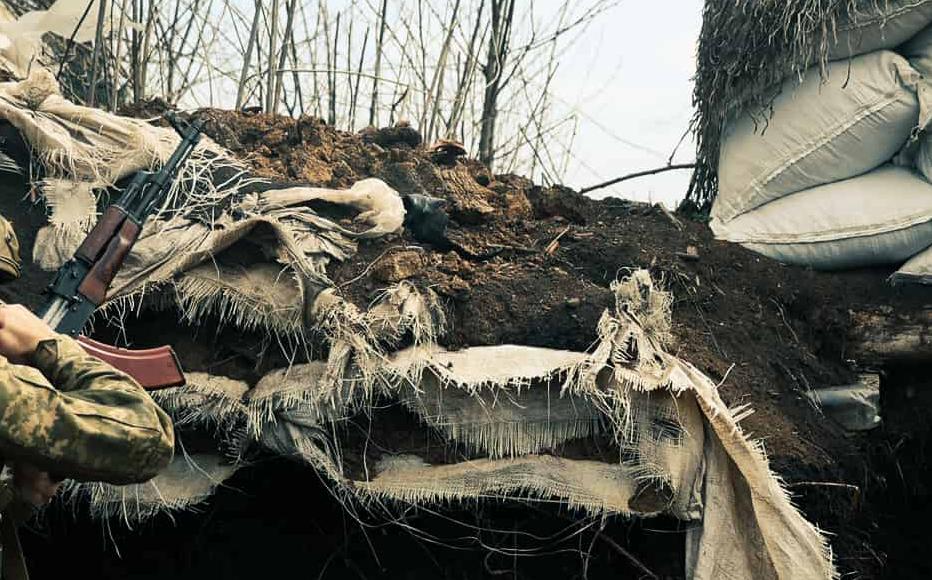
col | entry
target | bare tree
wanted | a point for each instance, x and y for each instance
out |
(503, 12)
(247, 57)
(480, 71)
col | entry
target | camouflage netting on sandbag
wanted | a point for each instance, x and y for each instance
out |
(748, 48)
(369, 399)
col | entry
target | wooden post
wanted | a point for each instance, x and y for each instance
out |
(881, 336)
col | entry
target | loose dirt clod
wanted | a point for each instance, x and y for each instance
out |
(398, 266)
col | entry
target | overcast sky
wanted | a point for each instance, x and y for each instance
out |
(631, 77)
(628, 79)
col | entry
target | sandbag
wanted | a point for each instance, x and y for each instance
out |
(819, 133)
(882, 217)
(917, 270)
(856, 407)
(878, 26)
(918, 51)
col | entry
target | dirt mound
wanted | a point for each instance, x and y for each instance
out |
(532, 265)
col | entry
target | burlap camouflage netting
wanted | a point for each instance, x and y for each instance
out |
(509, 410)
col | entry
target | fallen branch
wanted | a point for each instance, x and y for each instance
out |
(673, 219)
(521, 249)
(638, 174)
(879, 337)
(855, 490)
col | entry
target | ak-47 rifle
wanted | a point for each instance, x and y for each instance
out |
(81, 284)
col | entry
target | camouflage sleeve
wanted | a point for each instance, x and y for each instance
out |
(97, 425)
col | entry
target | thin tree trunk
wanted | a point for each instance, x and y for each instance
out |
(144, 56)
(250, 46)
(283, 53)
(294, 76)
(332, 77)
(355, 98)
(135, 47)
(318, 108)
(349, 66)
(502, 14)
(98, 48)
(271, 74)
(325, 18)
(373, 107)
(116, 56)
(436, 85)
(425, 88)
(466, 79)
(170, 47)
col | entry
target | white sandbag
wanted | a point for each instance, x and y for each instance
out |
(917, 270)
(819, 133)
(884, 25)
(855, 407)
(918, 51)
(882, 217)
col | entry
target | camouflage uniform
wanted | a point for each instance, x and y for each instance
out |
(73, 416)
(95, 424)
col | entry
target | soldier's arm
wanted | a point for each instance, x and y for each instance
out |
(95, 424)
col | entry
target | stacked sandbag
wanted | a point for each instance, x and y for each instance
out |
(746, 50)
(917, 270)
(818, 132)
(918, 51)
(881, 217)
(811, 184)
(879, 25)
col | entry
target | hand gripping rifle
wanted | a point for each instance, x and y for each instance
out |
(81, 284)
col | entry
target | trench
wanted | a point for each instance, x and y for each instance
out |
(899, 473)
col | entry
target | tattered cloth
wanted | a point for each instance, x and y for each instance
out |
(509, 410)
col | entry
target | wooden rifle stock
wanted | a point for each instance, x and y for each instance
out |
(153, 368)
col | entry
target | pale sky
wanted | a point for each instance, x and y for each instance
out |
(628, 79)
(631, 75)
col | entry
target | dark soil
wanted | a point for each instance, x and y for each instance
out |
(533, 265)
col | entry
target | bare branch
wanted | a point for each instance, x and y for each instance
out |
(637, 174)
(98, 48)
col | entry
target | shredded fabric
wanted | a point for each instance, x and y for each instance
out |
(624, 429)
